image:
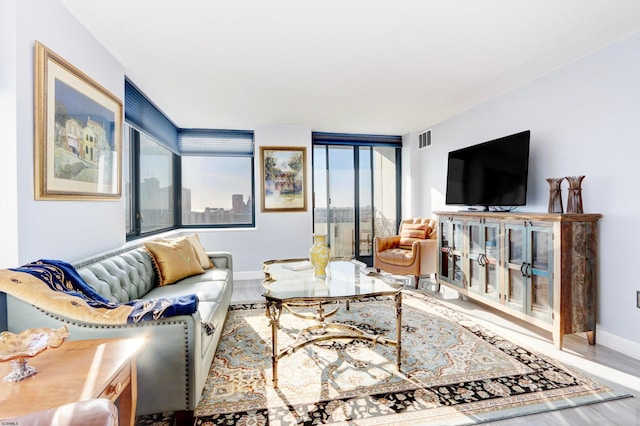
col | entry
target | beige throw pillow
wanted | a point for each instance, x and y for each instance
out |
(174, 259)
(205, 261)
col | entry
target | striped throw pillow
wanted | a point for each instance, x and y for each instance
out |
(411, 233)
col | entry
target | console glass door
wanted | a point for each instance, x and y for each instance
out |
(491, 235)
(516, 263)
(540, 272)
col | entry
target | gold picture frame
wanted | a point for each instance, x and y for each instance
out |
(78, 133)
(283, 178)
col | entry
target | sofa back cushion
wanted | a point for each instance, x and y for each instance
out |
(119, 276)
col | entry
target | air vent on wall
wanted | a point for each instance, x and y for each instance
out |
(424, 139)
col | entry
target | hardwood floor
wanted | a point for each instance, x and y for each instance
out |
(609, 367)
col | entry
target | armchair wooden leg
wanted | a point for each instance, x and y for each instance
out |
(417, 277)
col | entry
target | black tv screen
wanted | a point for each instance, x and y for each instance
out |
(490, 174)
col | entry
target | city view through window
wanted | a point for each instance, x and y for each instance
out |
(354, 196)
(218, 191)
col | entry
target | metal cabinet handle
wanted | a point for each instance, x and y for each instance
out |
(482, 259)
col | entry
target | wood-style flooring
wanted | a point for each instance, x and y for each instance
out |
(606, 366)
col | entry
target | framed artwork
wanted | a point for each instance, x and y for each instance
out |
(78, 133)
(284, 179)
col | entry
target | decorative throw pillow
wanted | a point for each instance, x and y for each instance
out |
(205, 261)
(174, 259)
(411, 233)
(432, 233)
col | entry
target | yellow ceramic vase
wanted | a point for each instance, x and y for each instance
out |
(319, 255)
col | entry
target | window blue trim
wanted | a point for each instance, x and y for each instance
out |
(215, 142)
(356, 139)
(141, 113)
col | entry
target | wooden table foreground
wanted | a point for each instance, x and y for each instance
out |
(77, 370)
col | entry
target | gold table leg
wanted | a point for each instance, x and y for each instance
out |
(398, 300)
(274, 310)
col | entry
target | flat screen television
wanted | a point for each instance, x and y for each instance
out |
(490, 174)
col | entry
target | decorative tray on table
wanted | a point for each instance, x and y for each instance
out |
(18, 348)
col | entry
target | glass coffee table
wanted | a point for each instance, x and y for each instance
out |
(291, 285)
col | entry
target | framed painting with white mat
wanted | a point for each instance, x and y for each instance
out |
(77, 133)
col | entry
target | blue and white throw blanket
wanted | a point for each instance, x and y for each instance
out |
(56, 286)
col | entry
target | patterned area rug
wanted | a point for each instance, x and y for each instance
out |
(453, 372)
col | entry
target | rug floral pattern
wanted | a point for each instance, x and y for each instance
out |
(453, 372)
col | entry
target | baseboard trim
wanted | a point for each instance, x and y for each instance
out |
(619, 344)
(247, 275)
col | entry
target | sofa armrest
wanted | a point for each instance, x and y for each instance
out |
(427, 250)
(222, 259)
(425, 246)
(385, 243)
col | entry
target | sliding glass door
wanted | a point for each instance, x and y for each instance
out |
(356, 195)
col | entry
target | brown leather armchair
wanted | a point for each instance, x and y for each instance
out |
(412, 252)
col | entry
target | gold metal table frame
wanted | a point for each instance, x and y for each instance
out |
(332, 291)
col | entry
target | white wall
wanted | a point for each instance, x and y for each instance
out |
(277, 235)
(584, 121)
(59, 229)
(8, 129)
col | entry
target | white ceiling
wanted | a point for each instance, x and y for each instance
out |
(353, 66)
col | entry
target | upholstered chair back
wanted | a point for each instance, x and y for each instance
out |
(417, 229)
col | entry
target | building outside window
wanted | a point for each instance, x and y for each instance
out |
(217, 190)
(156, 186)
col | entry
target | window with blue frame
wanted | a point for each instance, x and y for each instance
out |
(183, 177)
(217, 177)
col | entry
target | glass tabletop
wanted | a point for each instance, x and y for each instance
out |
(293, 279)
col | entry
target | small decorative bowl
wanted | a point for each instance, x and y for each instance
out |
(18, 348)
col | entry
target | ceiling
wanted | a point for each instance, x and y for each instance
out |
(349, 66)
